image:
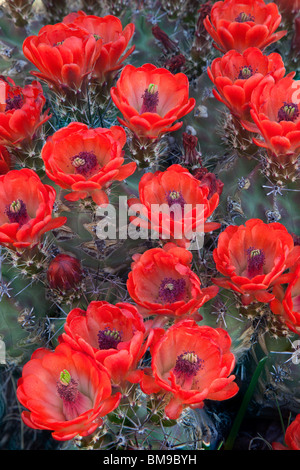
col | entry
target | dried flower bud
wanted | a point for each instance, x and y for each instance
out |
(201, 35)
(191, 154)
(163, 38)
(209, 179)
(176, 63)
(64, 272)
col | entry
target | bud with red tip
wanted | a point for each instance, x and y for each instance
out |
(64, 272)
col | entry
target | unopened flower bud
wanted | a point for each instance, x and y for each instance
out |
(64, 272)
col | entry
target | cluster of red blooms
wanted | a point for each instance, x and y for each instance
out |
(69, 390)
(258, 259)
(68, 53)
(252, 84)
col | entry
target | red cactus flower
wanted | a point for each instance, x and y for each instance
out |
(161, 282)
(64, 55)
(64, 272)
(151, 99)
(65, 392)
(252, 257)
(21, 112)
(291, 438)
(86, 161)
(276, 113)
(236, 75)
(191, 363)
(25, 209)
(114, 38)
(239, 24)
(287, 301)
(5, 160)
(113, 334)
(192, 201)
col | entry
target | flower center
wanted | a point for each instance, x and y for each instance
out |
(245, 72)
(84, 163)
(171, 290)
(14, 102)
(17, 212)
(288, 112)
(150, 99)
(243, 17)
(67, 388)
(187, 366)
(175, 197)
(109, 339)
(256, 261)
